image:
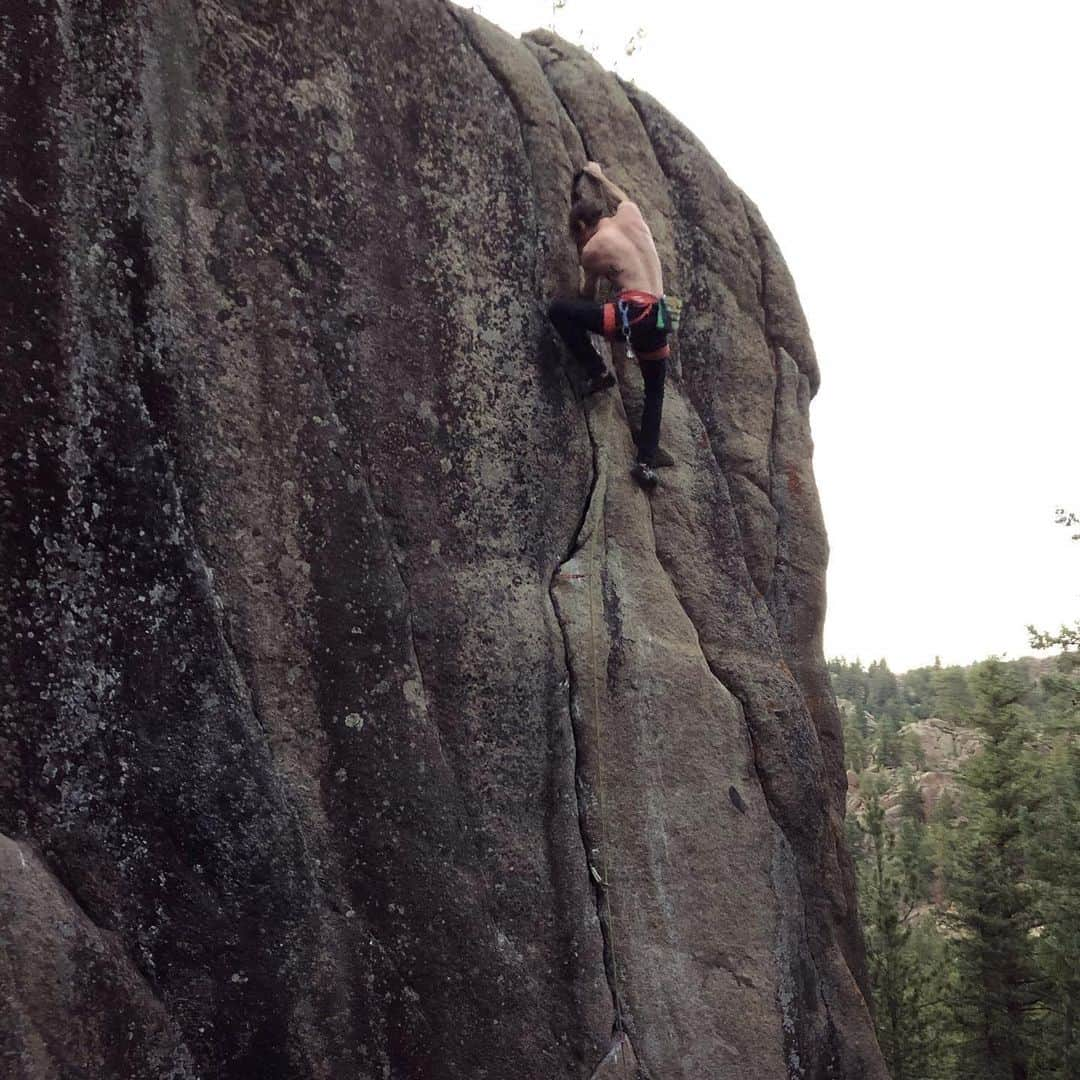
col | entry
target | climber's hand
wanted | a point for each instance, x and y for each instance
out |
(592, 168)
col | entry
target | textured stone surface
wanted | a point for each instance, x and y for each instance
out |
(75, 1004)
(365, 719)
(943, 746)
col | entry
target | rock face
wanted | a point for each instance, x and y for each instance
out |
(362, 718)
(943, 746)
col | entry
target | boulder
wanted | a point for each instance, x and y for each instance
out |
(944, 746)
(364, 718)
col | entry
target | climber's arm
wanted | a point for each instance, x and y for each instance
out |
(593, 169)
(588, 285)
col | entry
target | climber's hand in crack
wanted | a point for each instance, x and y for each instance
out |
(592, 168)
(620, 248)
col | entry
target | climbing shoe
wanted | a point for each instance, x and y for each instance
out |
(645, 475)
(662, 459)
(602, 382)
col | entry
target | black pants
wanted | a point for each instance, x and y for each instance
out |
(576, 319)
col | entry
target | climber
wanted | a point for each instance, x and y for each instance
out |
(619, 247)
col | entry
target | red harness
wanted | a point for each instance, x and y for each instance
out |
(647, 302)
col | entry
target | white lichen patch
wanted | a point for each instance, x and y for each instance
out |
(332, 90)
(413, 691)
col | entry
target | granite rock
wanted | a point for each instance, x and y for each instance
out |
(362, 717)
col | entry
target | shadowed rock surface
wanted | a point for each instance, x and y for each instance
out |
(362, 718)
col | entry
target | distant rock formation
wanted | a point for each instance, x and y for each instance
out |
(941, 748)
(361, 717)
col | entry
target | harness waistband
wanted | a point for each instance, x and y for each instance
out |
(636, 296)
(646, 301)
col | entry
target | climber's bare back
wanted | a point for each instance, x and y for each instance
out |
(622, 250)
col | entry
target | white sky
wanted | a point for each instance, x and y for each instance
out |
(918, 163)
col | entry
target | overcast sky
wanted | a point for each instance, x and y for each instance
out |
(918, 164)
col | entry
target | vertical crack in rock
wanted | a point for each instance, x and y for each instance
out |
(774, 438)
(535, 46)
(774, 430)
(575, 699)
(623, 1055)
(487, 50)
(592, 509)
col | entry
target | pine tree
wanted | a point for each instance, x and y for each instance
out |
(993, 902)
(935, 1019)
(889, 748)
(1055, 869)
(1053, 853)
(912, 848)
(916, 687)
(850, 682)
(895, 973)
(911, 749)
(952, 696)
(941, 844)
(883, 689)
(912, 806)
(856, 755)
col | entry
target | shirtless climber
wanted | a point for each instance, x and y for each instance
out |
(620, 248)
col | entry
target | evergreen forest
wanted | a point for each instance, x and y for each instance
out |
(963, 816)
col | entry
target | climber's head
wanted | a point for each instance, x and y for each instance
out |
(585, 215)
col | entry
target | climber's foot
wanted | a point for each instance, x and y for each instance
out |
(600, 383)
(662, 459)
(645, 475)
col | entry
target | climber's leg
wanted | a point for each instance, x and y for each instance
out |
(653, 373)
(575, 320)
(651, 348)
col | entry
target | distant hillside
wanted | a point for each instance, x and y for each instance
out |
(915, 728)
